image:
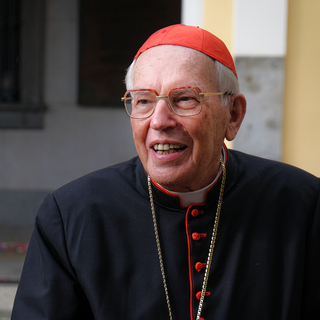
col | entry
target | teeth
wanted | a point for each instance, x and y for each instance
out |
(166, 148)
(166, 152)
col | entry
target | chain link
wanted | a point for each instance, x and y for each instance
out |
(211, 248)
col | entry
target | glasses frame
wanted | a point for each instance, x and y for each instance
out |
(201, 94)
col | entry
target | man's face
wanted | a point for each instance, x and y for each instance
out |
(197, 140)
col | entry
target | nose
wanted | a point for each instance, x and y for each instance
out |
(163, 117)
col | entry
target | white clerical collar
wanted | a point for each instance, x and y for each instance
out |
(198, 196)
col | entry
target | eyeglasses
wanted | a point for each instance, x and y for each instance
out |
(183, 101)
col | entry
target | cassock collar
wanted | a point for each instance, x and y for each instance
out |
(172, 202)
(198, 196)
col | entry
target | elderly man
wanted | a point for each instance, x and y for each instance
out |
(189, 229)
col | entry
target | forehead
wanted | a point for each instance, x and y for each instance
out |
(173, 66)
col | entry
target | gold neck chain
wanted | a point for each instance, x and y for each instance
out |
(211, 248)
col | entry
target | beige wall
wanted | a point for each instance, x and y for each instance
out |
(301, 138)
(218, 20)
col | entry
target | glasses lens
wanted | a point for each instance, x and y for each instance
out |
(140, 104)
(185, 101)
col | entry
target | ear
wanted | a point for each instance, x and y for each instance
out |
(237, 113)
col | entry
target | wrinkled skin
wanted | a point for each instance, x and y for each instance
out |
(196, 164)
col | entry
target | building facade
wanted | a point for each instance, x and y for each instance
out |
(53, 134)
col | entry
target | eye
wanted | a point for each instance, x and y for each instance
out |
(143, 102)
(185, 99)
(143, 99)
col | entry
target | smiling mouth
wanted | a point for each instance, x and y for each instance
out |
(167, 148)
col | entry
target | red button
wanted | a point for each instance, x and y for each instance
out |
(196, 236)
(199, 266)
(195, 212)
(198, 295)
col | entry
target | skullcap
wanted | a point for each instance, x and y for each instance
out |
(191, 37)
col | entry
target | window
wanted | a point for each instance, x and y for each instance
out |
(111, 32)
(21, 41)
(9, 50)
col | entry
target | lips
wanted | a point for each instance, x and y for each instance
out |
(167, 148)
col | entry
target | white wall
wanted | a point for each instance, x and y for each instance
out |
(260, 27)
(259, 42)
(192, 12)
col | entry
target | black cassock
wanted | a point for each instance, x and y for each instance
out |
(93, 252)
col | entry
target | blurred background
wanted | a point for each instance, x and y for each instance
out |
(62, 64)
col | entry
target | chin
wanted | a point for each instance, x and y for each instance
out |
(170, 181)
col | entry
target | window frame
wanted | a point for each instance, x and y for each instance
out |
(28, 112)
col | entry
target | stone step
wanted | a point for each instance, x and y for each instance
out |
(7, 294)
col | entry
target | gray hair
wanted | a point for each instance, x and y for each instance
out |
(128, 80)
(226, 80)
